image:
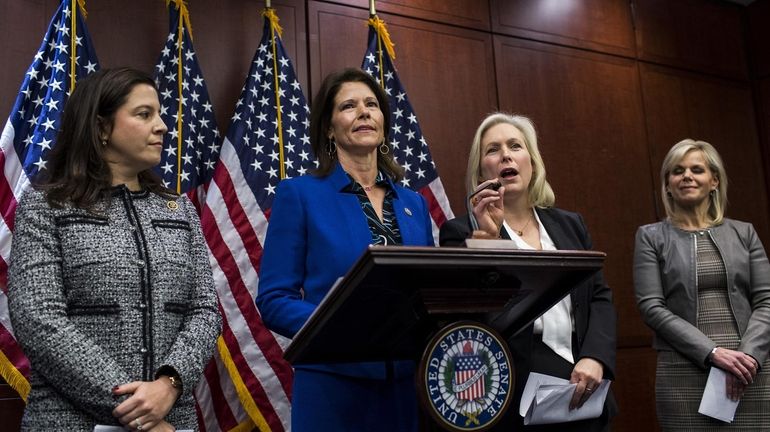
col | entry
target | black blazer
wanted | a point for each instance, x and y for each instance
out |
(595, 317)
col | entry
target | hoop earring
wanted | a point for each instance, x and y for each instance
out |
(331, 148)
(384, 149)
(104, 143)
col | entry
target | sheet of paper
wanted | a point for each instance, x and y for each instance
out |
(490, 244)
(715, 402)
(546, 400)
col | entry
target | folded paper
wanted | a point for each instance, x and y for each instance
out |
(715, 402)
(546, 400)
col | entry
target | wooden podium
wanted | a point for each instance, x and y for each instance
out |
(396, 301)
(395, 297)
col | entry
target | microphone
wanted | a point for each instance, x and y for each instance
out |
(474, 224)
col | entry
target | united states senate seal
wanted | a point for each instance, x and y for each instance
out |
(466, 377)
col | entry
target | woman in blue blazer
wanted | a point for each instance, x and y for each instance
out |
(575, 339)
(320, 224)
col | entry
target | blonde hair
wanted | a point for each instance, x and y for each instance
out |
(540, 192)
(717, 200)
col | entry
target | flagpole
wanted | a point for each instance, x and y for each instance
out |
(73, 41)
(275, 28)
(372, 11)
(267, 4)
(180, 107)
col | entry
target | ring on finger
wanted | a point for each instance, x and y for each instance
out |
(138, 424)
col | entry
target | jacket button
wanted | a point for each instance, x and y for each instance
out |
(140, 263)
(143, 350)
(142, 306)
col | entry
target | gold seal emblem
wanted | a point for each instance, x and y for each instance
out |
(172, 205)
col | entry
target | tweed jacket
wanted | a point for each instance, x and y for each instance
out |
(665, 281)
(102, 298)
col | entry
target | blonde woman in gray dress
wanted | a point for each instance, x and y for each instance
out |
(702, 283)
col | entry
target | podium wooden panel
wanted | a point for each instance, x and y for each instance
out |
(394, 297)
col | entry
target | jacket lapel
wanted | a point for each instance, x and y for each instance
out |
(560, 239)
(349, 210)
(555, 230)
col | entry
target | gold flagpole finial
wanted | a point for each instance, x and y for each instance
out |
(184, 15)
(382, 32)
(268, 4)
(271, 15)
(372, 10)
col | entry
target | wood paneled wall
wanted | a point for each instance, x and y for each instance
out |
(610, 84)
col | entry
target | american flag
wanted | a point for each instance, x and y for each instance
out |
(468, 380)
(191, 146)
(409, 146)
(248, 384)
(28, 136)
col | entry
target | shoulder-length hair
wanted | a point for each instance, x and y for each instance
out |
(321, 117)
(718, 200)
(77, 172)
(540, 193)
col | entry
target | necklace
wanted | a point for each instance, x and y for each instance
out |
(521, 231)
(370, 187)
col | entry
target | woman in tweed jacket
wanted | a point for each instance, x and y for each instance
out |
(110, 289)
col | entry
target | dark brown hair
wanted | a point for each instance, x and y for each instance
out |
(321, 116)
(77, 172)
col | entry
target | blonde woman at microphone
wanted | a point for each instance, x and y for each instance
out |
(575, 339)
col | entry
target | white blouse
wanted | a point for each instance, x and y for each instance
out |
(556, 323)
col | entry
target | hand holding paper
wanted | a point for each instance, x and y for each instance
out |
(546, 399)
(715, 402)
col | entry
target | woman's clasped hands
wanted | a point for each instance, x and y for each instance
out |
(148, 404)
(741, 369)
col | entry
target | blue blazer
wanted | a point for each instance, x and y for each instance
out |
(316, 233)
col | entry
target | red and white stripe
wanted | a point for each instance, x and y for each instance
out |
(438, 205)
(14, 182)
(475, 391)
(234, 226)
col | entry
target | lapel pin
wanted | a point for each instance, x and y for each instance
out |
(172, 205)
(407, 211)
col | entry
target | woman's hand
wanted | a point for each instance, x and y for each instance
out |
(734, 387)
(741, 365)
(148, 404)
(162, 426)
(488, 210)
(587, 374)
